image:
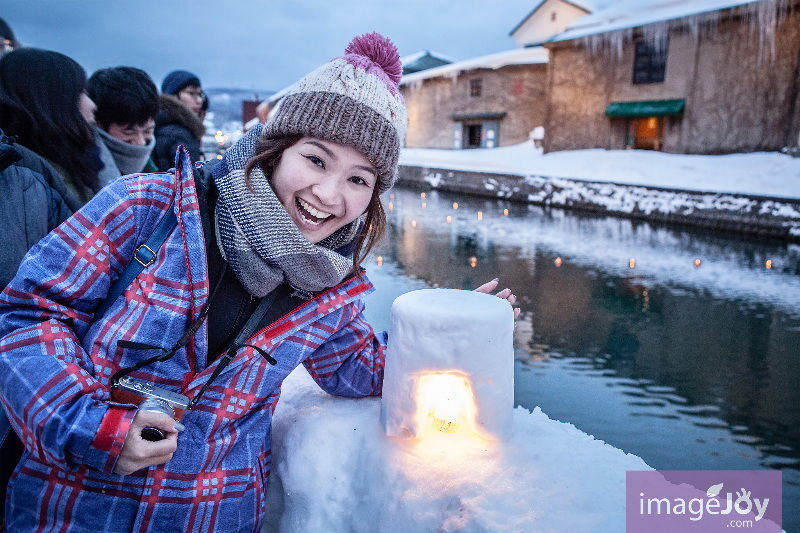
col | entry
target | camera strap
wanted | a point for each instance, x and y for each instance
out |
(239, 342)
(166, 354)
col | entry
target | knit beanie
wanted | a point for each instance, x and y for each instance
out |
(177, 80)
(353, 100)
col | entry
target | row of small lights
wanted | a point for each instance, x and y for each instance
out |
(449, 218)
(473, 261)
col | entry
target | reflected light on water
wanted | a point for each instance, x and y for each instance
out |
(391, 206)
(424, 205)
(632, 262)
(413, 223)
(379, 260)
(449, 219)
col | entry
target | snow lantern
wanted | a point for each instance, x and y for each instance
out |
(449, 365)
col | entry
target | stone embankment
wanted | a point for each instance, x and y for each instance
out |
(755, 215)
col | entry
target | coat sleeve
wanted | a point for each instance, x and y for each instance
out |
(48, 385)
(350, 362)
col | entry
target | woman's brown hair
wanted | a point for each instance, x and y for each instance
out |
(268, 154)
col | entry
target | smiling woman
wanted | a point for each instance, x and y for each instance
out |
(261, 275)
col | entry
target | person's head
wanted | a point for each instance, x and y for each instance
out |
(7, 40)
(44, 104)
(127, 103)
(332, 145)
(186, 87)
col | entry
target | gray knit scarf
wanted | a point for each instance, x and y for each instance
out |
(261, 242)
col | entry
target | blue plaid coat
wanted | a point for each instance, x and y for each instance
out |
(56, 362)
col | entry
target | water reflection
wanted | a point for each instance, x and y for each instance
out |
(677, 345)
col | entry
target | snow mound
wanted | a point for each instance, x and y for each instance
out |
(334, 470)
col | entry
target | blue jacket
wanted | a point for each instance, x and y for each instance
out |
(56, 363)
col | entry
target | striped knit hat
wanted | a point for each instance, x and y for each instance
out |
(352, 100)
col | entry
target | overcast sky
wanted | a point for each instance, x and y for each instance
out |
(262, 45)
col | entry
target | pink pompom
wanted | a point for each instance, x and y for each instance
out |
(381, 51)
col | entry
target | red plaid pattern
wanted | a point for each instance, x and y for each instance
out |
(56, 363)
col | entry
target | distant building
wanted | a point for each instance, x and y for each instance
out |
(423, 61)
(686, 76)
(485, 102)
(548, 18)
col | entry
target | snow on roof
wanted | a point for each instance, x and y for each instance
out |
(517, 56)
(626, 14)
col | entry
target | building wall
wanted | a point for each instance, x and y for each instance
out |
(518, 91)
(733, 103)
(552, 17)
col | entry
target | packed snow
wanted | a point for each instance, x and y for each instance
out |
(335, 470)
(771, 174)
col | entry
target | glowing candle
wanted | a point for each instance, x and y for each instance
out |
(445, 414)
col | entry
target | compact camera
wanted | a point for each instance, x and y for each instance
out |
(149, 397)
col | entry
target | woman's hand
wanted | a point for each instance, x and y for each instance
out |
(138, 453)
(505, 294)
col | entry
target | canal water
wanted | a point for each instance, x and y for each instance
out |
(677, 345)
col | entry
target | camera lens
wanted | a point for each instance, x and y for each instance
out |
(158, 406)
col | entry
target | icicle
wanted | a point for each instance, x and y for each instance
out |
(762, 16)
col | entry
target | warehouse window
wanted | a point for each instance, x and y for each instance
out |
(475, 87)
(650, 61)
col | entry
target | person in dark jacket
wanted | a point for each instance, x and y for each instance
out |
(44, 105)
(127, 105)
(178, 121)
(33, 201)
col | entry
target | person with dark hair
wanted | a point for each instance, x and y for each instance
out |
(127, 105)
(261, 273)
(178, 121)
(44, 105)
(7, 40)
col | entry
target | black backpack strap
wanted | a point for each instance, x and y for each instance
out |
(143, 256)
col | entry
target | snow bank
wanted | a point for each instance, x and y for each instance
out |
(761, 173)
(334, 470)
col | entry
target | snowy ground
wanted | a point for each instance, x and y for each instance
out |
(761, 173)
(335, 470)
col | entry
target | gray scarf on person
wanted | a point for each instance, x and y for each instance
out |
(120, 158)
(260, 241)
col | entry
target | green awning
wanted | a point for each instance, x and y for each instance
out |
(649, 108)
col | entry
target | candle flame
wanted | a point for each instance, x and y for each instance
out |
(446, 402)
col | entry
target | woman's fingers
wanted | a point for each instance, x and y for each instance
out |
(488, 287)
